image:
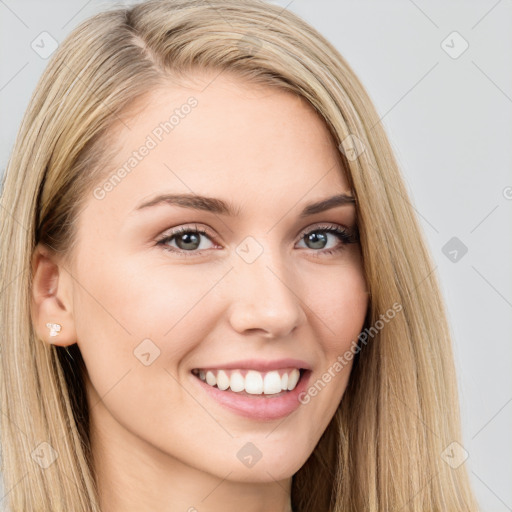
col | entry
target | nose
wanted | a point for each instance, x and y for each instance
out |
(264, 301)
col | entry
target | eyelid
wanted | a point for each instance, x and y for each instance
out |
(321, 226)
(185, 228)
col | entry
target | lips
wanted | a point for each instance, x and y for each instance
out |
(257, 407)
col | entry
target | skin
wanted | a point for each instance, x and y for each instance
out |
(159, 442)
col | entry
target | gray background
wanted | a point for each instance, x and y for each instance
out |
(449, 121)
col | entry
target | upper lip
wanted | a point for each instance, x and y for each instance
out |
(260, 365)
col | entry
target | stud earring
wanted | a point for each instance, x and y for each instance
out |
(54, 328)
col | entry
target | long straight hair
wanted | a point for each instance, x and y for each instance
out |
(383, 448)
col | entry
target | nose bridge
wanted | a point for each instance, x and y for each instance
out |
(264, 295)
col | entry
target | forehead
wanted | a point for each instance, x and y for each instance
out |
(223, 136)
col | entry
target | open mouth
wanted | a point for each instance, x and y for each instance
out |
(251, 382)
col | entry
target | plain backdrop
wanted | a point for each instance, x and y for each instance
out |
(440, 75)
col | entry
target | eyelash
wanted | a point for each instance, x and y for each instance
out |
(344, 235)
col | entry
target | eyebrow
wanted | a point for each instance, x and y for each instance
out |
(221, 207)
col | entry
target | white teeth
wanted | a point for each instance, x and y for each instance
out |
(272, 383)
(237, 382)
(222, 380)
(210, 378)
(254, 382)
(284, 382)
(293, 379)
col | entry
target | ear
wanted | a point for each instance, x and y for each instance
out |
(51, 299)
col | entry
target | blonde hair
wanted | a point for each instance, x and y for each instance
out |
(382, 449)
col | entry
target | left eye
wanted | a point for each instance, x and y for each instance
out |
(320, 242)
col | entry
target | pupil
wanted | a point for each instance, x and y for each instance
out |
(188, 238)
(318, 240)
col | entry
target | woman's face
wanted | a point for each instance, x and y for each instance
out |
(262, 288)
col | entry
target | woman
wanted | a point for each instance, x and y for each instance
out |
(217, 294)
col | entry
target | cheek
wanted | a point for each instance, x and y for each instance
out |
(126, 303)
(338, 303)
(122, 318)
(338, 300)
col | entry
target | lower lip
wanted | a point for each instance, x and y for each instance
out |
(258, 407)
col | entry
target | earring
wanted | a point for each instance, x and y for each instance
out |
(54, 328)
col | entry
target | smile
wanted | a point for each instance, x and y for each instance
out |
(252, 382)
